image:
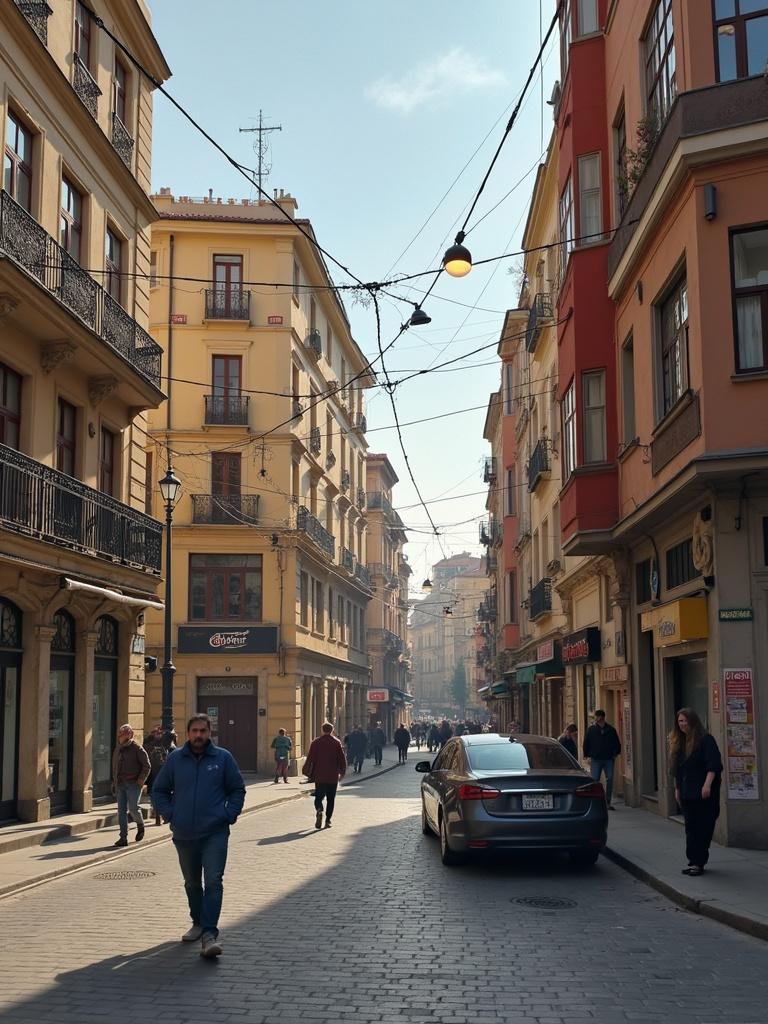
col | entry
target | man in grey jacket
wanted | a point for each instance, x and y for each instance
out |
(130, 770)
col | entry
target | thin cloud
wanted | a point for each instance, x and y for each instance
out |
(455, 73)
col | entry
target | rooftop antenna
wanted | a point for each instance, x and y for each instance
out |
(261, 148)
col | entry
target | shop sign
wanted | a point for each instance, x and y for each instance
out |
(615, 674)
(138, 643)
(740, 734)
(582, 647)
(676, 622)
(626, 736)
(226, 686)
(378, 696)
(227, 639)
(734, 614)
(274, 319)
(716, 694)
(178, 318)
(545, 651)
(525, 674)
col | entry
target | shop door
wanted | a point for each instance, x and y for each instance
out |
(9, 733)
(104, 705)
(689, 678)
(60, 716)
(233, 722)
(556, 722)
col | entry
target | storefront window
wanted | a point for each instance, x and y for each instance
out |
(10, 664)
(60, 697)
(589, 692)
(104, 704)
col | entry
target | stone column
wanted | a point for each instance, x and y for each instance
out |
(34, 803)
(82, 731)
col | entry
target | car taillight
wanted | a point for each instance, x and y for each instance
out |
(467, 792)
(592, 791)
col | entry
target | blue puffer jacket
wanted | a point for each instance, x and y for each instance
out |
(199, 795)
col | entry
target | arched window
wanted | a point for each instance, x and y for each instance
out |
(10, 625)
(106, 637)
(64, 638)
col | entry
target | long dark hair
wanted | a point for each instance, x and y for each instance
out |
(680, 745)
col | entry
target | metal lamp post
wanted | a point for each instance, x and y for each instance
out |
(170, 486)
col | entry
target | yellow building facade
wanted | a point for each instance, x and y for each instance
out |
(79, 558)
(265, 427)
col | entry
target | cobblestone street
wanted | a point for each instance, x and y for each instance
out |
(362, 923)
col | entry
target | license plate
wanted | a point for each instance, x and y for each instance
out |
(539, 802)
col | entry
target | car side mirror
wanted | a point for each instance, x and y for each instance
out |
(423, 766)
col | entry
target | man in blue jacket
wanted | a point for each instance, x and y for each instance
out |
(200, 792)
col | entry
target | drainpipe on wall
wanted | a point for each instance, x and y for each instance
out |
(170, 342)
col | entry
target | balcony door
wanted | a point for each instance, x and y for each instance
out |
(228, 286)
(226, 469)
(227, 382)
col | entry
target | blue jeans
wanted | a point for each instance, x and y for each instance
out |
(128, 794)
(204, 860)
(597, 768)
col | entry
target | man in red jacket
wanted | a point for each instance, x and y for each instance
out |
(325, 765)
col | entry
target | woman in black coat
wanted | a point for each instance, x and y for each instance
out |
(696, 766)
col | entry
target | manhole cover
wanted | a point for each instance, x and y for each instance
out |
(545, 902)
(123, 876)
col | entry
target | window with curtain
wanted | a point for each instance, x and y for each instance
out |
(620, 149)
(587, 17)
(566, 34)
(741, 38)
(628, 390)
(225, 587)
(511, 492)
(590, 199)
(749, 251)
(566, 226)
(569, 430)
(659, 47)
(71, 219)
(673, 329)
(17, 161)
(593, 399)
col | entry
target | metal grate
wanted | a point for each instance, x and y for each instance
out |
(545, 902)
(123, 876)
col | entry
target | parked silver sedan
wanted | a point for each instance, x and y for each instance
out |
(511, 792)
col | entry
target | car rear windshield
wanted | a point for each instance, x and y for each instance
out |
(491, 757)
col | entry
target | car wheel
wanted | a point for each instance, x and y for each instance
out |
(584, 858)
(426, 828)
(448, 856)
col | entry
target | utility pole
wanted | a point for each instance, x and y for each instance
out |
(261, 148)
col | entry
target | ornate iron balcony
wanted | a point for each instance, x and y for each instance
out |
(315, 441)
(227, 304)
(361, 423)
(540, 599)
(43, 503)
(37, 13)
(347, 560)
(345, 480)
(86, 88)
(361, 497)
(225, 509)
(362, 574)
(387, 638)
(231, 410)
(377, 499)
(25, 242)
(539, 463)
(330, 460)
(122, 140)
(489, 472)
(314, 529)
(314, 343)
(540, 315)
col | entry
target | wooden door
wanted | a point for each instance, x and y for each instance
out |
(233, 721)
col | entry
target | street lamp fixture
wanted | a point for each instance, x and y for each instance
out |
(457, 260)
(426, 586)
(170, 486)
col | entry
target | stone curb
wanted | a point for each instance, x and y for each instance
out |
(706, 908)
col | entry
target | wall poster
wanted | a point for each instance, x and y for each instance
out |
(741, 754)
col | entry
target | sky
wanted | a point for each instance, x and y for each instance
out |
(390, 115)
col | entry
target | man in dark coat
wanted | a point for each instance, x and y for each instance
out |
(357, 744)
(325, 765)
(602, 746)
(402, 742)
(378, 742)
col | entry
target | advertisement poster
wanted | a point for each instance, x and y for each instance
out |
(741, 754)
(626, 736)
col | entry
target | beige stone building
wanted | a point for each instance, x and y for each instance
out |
(80, 559)
(265, 427)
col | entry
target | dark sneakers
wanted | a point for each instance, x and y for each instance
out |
(139, 834)
(122, 841)
(319, 819)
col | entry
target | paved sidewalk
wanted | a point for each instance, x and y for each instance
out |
(733, 888)
(31, 853)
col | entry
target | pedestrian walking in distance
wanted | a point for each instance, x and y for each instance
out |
(130, 770)
(325, 765)
(696, 767)
(568, 740)
(602, 746)
(281, 745)
(378, 742)
(201, 792)
(356, 747)
(158, 746)
(402, 742)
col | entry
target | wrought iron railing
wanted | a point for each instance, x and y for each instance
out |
(390, 640)
(230, 509)
(122, 140)
(30, 246)
(540, 598)
(37, 13)
(377, 499)
(539, 315)
(315, 530)
(347, 560)
(43, 503)
(361, 423)
(86, 88)
(345, 480)
(362, 574)
(489, 471)
(315, 440)
(361, 497)
(227, 304)
(230, 410)
(330, 460)
(538, 464)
